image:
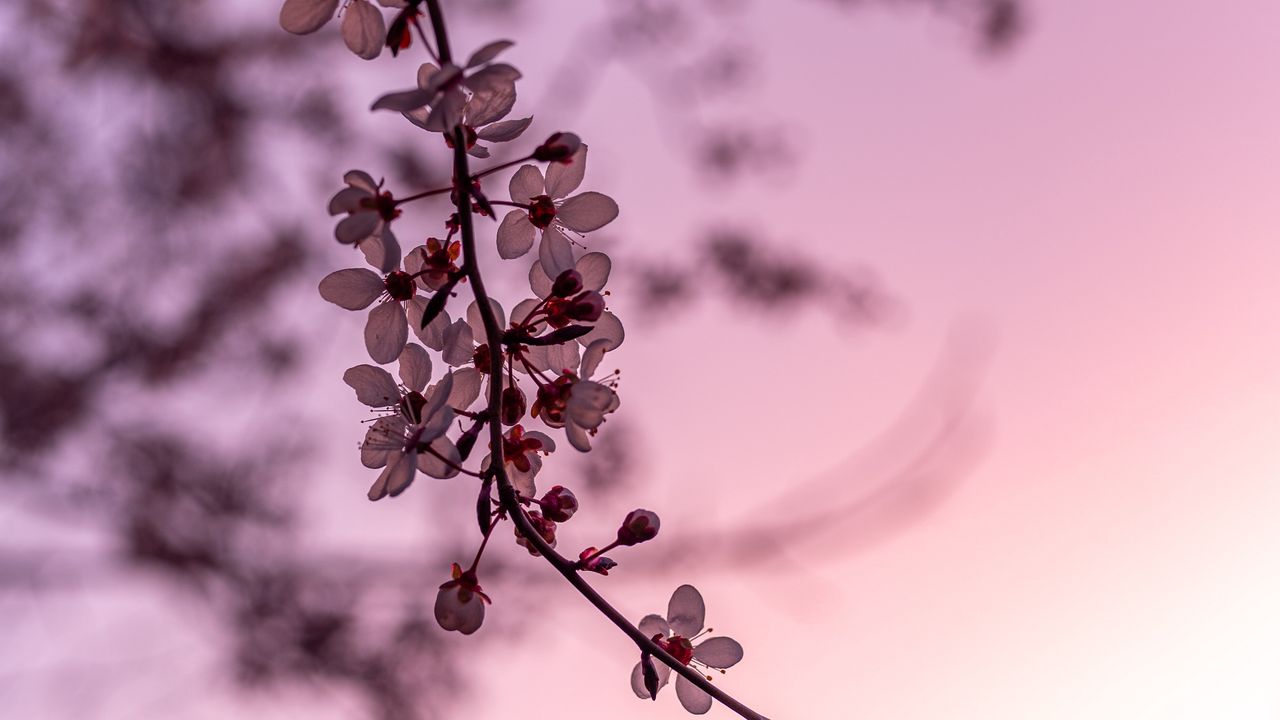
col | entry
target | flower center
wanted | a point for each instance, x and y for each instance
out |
(470, 134)
(679, 647)
(411, 406)
(400, 285)
(541, 211)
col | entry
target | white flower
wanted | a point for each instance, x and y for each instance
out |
(522, 457)
(546, 209)
(367, 225)
(463, 338)
(460, 602)
(482, 115)
(445, 89)
(579, 292)
(414, 438)
(575, 401)
(675, 633)
(387, 329)
(363, 29)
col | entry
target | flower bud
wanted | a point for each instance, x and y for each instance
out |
(600, 564)
(569, 283)
(560, 147)
(513, 405)
(587, 307)
(545, 528)
(460, 602)
(559, 504)
(639, 526)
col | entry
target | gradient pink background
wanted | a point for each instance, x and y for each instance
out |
(1096, 216)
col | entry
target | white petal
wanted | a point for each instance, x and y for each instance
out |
(637, 678)
(523, 482)
(438, 398)
(361, 180)
(654, 625)
(548, 445)
(395, 477)
(488, 52)
(564, 178)
(418, 116)
(594, 267)
(477, 323)
(490, 107)
(555, 253)
(415, 367)
(453, 614)
(386, 332)
(446, 111)
(478, 151)
(403, 100)
(521, 311)
(591, 358)
(538, 280)
(587, 403)
(381, 250)
(466, 388)
(363, 29)
(526, 183)
(515, 235)
(383, 441)
(609, 328)
(577, 437)
(459, 346)
(354, 228)
(718, 652)
(693, 698)
(587, 211)
(432, 463)
(497, 78)
(306, 16)
(504, 131)
(433, 334)
(686, 611)
(374, 386)
(347, 200)
(353, 288)
(425, 71)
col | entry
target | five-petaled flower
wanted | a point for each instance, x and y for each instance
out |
(370, 210)
(676, 633)
(446, 89)
(482, 115)
(546, 207)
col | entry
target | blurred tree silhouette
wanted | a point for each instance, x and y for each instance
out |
(142, 236)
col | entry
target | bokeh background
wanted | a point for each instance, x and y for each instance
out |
(951, 363)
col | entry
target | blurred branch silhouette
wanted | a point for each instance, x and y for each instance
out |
(140, 256)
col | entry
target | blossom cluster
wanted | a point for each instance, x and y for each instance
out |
(480, 393)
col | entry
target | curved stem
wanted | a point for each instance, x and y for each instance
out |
(506, 493)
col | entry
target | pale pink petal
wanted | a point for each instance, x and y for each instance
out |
(591, 358)
(381, 250)
(395, 477)
(522, 309)
(444, 462)
(718, 652)
(693, 698)
(362, 180)
(374, 386)
(383, 441)
(415, 367)
(446, 111)
(386, 332)
(686, 611)
(347, 200)
(587, 403)
(478, 151)
(594, 268)
(578, 437)
(306, 16)
(538, 280)
(363, 29)
(490, 107)
(454, 614)
(488, 52)
(425, 71)
(496, 78)
(515, 235)
(433, 334)
(653, 625)
(609, 328)
(438, 398)
(418, 116)
(587, 211)
(554, 252)
(466, 388)
(522, 481)
(525, 184)
(477, 323)
(504, 131)
(637, 678)
(438, 80)
(354, 228)
(459, 345)
(353, 288)
(564, 178)
(403, 101)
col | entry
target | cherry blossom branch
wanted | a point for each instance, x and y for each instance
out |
(506, 492)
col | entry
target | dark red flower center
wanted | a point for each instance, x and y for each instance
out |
(541, 211)
(679, 647)
(400, 285)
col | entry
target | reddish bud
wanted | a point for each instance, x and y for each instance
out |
(587, 307)
(545, 528)
(560, 148)
(639, 526)
(559, 504)
(569, 283)
(599, 564)
(513, 405)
